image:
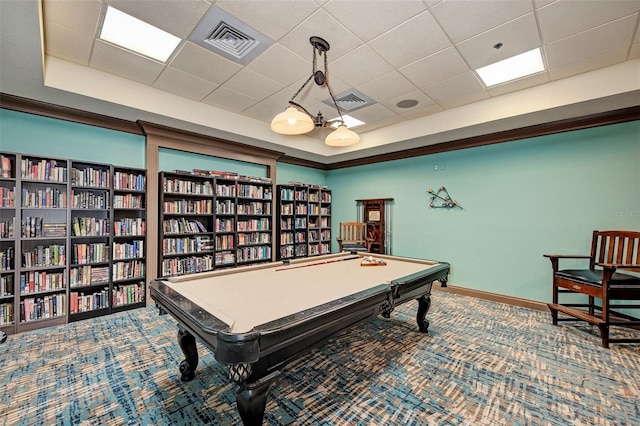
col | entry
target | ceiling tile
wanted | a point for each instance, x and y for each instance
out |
(259, 14)
(79, 15)
(66, 43)
(567, 17)
(370, 18)
(321, 24)
(589, 64)
(462, 19)
(229, 100)
(448, 92)
(361, 65)
(268, 108)
(412, 113)
(600, 40)
(517, 36)
(176, 17)
(387, 86)
(252, 84)
(373, 113)
(204, 64)
(183, 84)
(418, 95)
(115, 60)
(270, 64)
(440, 66)
(411, 41)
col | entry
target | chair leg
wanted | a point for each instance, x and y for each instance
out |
(604, 333)
(554, 312)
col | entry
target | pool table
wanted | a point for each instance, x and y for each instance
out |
(257, 318)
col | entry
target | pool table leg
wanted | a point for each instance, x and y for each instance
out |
(188, 345)
(424, 303)
(251, 399)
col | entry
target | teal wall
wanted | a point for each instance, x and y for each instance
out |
(33, 134)
(520, 200)
(291, 173)
(171, 159)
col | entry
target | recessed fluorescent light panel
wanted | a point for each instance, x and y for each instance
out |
(512, 68)
(136, 35)
(349, 121)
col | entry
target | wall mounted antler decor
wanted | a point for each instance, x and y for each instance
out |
(442, 195)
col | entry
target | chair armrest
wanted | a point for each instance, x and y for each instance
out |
(567, 256)
(618, 265)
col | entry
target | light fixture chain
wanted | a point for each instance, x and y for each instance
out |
(300, 89)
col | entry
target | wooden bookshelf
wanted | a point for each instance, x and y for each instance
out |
(304, 220)
(63, 257)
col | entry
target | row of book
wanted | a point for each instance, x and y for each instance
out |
(36, 227)
(7, 197)
(129, 226)
(187, 207)
(7, 259)
(132, 269)
(254, 191)
(187, 265)
(129, 181)
(90, 253)
(6, 285)
(223, 190)
(254, 238)
(43, 170)
(129, 250)
(82, 302)
(128, 201)
(250, 254)
(186, 245)
(90, 200)
(90, 226)
(50, 198)
(286, 252)
(225, 242)
(182, 226)
(263, 224)
(254, 208)
(225, 225)
(318, 249)
(226, 258)
(36, 281)
(179, 186)
(6, 228)
(33, 308)
(128, 294)
(88, 275)
(225, 207)
(6, 313)
(53, 255)
(97, 178)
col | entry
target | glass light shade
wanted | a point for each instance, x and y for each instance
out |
(292, 122)
(342, 136)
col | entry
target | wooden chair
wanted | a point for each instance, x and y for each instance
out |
(353, 237)
(610, 251)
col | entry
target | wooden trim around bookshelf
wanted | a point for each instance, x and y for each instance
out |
(495, 297)
(30, 106)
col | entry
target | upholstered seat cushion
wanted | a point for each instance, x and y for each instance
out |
(591, 277)
(353, 247)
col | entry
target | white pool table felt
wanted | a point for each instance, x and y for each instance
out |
(246, 298)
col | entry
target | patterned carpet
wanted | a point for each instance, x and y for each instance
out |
(483, 363)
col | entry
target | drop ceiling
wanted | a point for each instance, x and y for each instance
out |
(394, 53)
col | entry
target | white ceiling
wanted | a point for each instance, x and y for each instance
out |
(389, 50)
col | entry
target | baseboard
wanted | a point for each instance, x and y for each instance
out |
(495, 297)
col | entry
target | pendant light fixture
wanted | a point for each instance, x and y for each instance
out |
(296, 120)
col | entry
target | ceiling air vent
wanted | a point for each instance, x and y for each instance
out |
(227, 36)
(351, 100)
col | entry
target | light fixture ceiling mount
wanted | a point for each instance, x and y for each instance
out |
(296, 120)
